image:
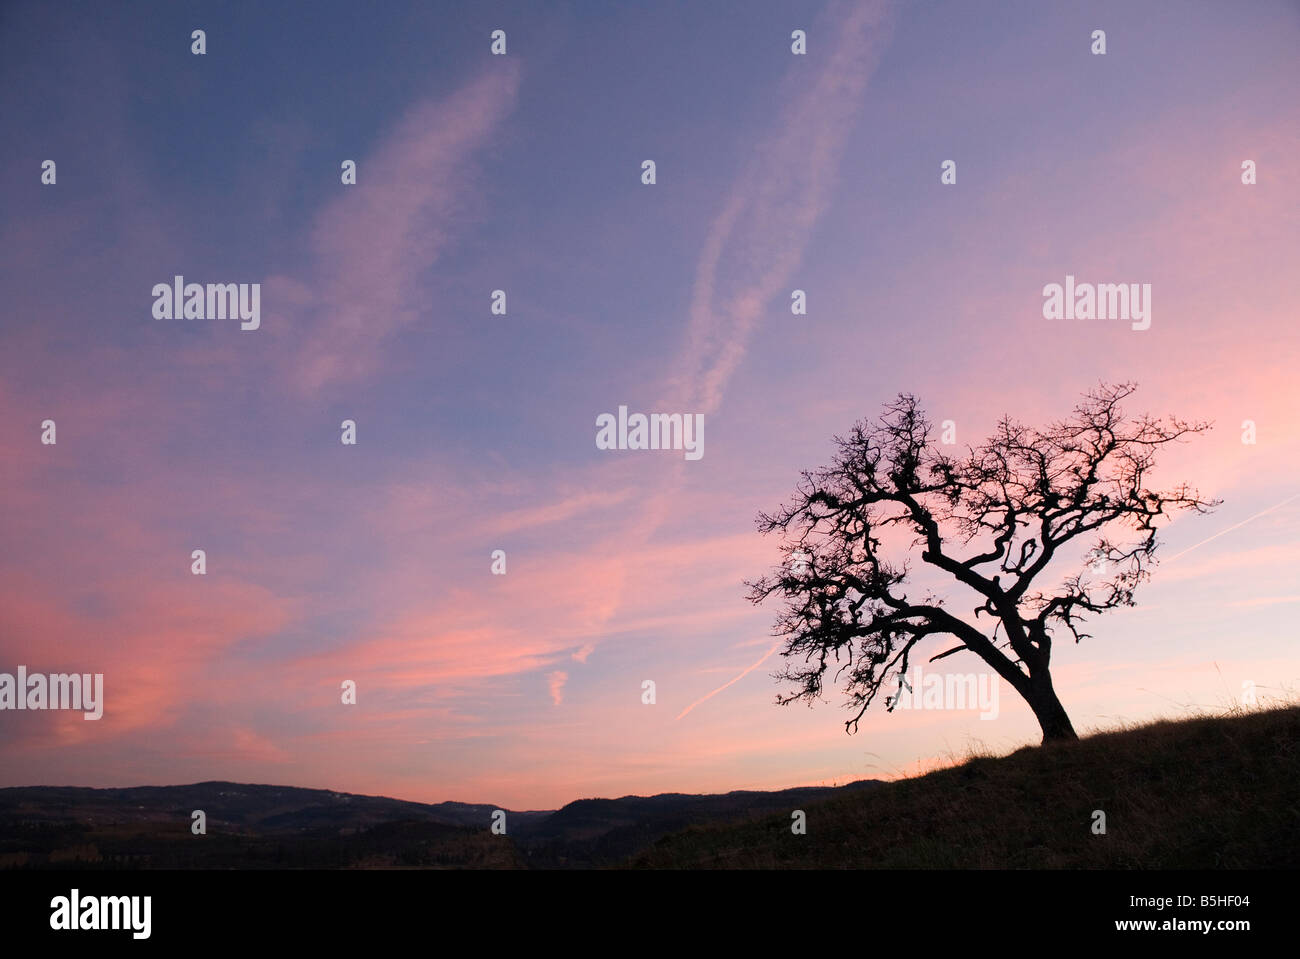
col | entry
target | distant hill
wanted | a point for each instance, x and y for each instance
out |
(1202, 793)
(275, 827)
(248, 826)
(265, 808)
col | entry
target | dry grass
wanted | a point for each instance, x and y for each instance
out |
(1217, 790)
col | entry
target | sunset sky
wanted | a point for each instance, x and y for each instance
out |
(476, 432)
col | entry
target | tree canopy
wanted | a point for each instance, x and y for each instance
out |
(993, 519)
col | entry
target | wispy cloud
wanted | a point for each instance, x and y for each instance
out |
(555, 682)
(758, 239)
(375, 241)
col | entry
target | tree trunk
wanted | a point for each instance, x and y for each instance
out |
(1048, 710)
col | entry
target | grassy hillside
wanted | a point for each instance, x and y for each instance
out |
(1198, 793)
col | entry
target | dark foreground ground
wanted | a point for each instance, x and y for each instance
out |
(1201, 793)
(1193, 794)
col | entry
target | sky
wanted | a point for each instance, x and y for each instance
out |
(475, 431)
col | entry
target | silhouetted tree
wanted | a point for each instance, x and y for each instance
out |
(992, 519)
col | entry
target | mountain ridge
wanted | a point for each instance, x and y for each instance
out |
(261, 824)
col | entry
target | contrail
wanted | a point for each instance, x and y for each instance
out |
(1231, 528)
(725, 685)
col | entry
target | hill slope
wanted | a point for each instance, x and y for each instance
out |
(1199, 793)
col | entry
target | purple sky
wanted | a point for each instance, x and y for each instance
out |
(475, 431)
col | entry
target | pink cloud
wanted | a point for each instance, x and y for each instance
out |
(555, 682)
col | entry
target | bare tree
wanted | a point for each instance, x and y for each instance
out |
(992, 519)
